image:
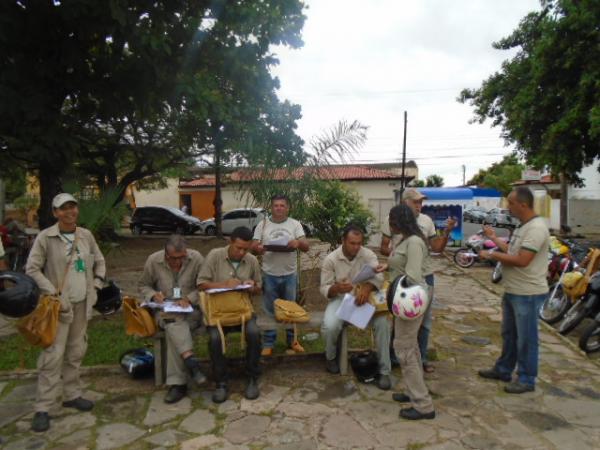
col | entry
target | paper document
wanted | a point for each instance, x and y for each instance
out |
(153, 305)
(281, 241)
(366, 273)
(175, 308)
(239, 287)
(358, 316)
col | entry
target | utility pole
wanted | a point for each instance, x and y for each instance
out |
(464, 168)
(403, 181)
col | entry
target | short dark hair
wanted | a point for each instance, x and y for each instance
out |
(524, 195)
(352, 228)
(281, 197)
(243, 233)
(176, 242)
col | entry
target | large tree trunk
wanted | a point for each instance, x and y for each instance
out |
(50, 185)
(218, 203)
(564, 203)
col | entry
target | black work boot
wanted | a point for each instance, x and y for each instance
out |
(252, 391)
(40, 422)
(193, 365)
(220, 394)
(80, 404)
(175, 393)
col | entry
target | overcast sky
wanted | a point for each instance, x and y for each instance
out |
(372, 60)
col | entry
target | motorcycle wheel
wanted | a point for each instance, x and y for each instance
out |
(497, 273)
(463, 259)
(574, 316)
(589, 341)
(554, 308)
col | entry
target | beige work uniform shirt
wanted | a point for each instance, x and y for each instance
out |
(48, 259)
(158, 276)
(534, 236)
(278, 263)
(336, 267)
(410, 258)
(218, 267)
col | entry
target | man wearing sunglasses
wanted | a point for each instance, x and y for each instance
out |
(170, 276)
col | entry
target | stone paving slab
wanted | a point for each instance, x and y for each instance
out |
(302, 407)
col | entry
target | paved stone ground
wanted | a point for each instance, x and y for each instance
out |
(302, 407)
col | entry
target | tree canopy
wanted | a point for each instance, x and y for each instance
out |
(546, 99)
(499, 175)
(121, 91)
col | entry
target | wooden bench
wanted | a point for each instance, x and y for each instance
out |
(264, 323)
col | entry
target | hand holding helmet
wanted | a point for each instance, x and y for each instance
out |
(405, 301)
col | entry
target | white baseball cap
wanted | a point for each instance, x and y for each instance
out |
(61, 199)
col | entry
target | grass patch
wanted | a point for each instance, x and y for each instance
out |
(107, 341)
(415, 446)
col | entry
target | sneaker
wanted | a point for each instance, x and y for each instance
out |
(80, 404)
(252, 391)
(193, 365)
(267, 351)
(518, 388)
(40, 422)
(384, 383)
(175, 393)
(400, 397)
(413, 414)
(332, 366)
(220, 394)
(493, 374)
(295, 348)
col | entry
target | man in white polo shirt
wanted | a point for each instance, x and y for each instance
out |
(525, 262)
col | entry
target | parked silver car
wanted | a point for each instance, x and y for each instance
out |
(240, 217)
(474, 214)
(498, 217)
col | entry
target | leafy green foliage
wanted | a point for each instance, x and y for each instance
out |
(332, 207)
(434, 181)
(102, 215)
(546, 99)
(499, 175)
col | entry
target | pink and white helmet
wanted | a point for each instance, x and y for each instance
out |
(407, 302)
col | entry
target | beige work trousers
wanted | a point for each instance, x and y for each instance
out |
(407, 349)
(178, 336)
(62, 360)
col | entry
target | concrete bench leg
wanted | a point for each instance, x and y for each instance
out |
(160, 360)
(343, 356)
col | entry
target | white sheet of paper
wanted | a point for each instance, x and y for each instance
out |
(174, 308)
(239, 287)
(358, 316)
(153, 305)
(366, 273)
(283, 241)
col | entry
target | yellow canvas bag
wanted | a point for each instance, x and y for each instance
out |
(138, 321)
(226, 309)
(39, 328)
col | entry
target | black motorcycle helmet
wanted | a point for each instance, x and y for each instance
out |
(365, 366)
(138, 362)
(19, 294)
(109, 299)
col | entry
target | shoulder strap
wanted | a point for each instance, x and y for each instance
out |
(69, 262)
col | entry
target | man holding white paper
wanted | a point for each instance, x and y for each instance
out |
(340, 267)
(170, 276)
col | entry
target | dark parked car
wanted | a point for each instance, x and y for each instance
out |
(162, 218)
(474, 214)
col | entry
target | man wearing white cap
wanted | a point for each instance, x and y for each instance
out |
(65, 261)
(414, 199)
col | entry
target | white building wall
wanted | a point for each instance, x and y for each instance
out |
(159, 197)
(591, 178)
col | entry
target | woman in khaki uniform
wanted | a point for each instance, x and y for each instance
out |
(410, 258)
(61, 245)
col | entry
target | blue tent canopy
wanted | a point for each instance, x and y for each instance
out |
(485, 192)
(434, 194)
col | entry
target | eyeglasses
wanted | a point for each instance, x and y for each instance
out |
(175, 258)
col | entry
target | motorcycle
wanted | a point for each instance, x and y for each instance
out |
(465, 257)
(589, 341)
(585, 294)
(562, 260)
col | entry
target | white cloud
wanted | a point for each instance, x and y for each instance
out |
(373, 60)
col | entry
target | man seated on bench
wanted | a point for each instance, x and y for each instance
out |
(229, 267)
(170, 275)
(339, 268)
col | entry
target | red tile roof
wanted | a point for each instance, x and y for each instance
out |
(199, 182)
(546, 179)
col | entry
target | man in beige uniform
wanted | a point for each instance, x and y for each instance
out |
(65, 253)
(339, 267)
(229, 267)
(525, 263)
(171, 274)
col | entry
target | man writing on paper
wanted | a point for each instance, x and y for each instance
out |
(171, 274)
(229, 267)
(339, 268)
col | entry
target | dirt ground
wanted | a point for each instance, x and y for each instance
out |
(125, 264)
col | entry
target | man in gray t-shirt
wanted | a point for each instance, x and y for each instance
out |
(524, 261)
(277, 238)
